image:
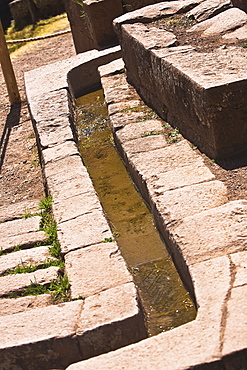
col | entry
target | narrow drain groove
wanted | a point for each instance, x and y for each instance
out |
(166, 302)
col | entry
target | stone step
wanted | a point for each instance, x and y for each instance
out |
(17, 210)
(25, 257)
(11, 284)
(21, 232)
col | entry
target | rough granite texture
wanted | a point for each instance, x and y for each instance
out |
(111, 317)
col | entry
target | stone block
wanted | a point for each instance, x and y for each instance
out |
(163, 160)
(179, 177)
(50, 133)
(212, 86)
(11, 284)
(42, 338)
(11, 306)
(20, 226)
(64, 168)
(27, 240)
(208, 9)
(20, 232)
(112, 67)
(225, 21)
(211, 281)
(138, 129)
(59, 151)
(83, 231)
(34, 256)
(213, 233)
(173, 205)
(110, 320)
(145, 144)
(239, 34)
(239, 260)
(153, 12)
(17, 210)
(78, 205)
(66, 185)
(95, 269)
(100, 14)
(124, 105)
(235, 333)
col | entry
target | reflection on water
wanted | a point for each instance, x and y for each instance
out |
(166, 302)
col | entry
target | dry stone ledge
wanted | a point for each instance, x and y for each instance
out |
(211, 85)
(212, 233)
(17, 210)
(239, 34)
(173, 205)
(21, 232)
(225, 21)
(41, 338)
(85, 230)
(111, 319)
(11, 284)
(11, 306)
(208, 9)
(20, 226)
(34, 256)
(95, 269)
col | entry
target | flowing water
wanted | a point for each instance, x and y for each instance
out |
(166, 302)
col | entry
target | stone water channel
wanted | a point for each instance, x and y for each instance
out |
(166, 302)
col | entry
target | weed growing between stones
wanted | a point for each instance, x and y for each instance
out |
(49, 226)
(244, 44)
(22, 268)
(151, 133)
(59, 290)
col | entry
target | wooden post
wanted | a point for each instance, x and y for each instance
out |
(8, 71)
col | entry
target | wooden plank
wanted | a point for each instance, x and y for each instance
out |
(8, 71)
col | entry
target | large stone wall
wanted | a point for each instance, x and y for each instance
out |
(26, 12)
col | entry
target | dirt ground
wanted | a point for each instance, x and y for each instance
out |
(20, 173)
